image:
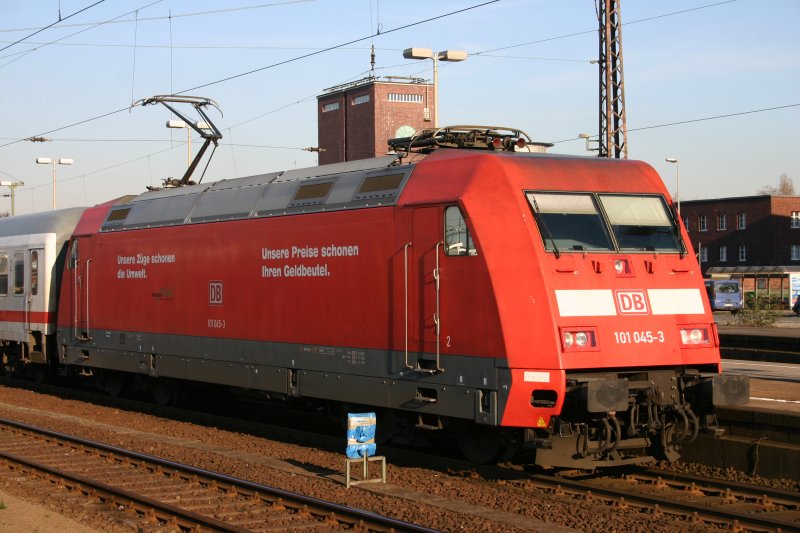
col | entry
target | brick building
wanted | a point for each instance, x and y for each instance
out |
(356, 119)
(754, 238)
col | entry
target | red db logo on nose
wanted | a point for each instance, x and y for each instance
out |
(631, 302)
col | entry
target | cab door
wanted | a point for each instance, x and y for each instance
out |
(426, 306)
(79, 269)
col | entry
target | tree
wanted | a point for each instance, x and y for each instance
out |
(785, 187)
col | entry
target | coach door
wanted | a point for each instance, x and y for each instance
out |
(35, 317)
(425, 307)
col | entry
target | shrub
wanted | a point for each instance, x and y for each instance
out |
(761, 310)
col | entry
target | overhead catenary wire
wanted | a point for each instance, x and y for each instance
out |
(594, 30)
(690, 121)
(261, 69)
(486, 55)
(341, 45)
(31, 50)
(180, 15)
(40, 30)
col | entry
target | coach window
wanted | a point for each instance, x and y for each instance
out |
(457, 240)
(3, 275)
(19, 274)
(34, 272)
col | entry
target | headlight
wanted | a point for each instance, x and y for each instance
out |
(569, 338)
(695, 336)
(579, 338)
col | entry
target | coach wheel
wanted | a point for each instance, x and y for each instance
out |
(480, 444)
(39, 373)
(163, 391)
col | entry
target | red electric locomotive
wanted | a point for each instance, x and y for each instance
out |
(514, 300)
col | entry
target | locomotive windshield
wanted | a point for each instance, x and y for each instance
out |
(570, 222)
(603, 222)
(640, 223)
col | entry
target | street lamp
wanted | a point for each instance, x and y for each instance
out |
(588, 139)
(11, 185)
(677, 182)
(178, 124)
(427, 53)
(53, 163)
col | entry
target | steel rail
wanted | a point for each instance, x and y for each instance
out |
(316, 506)
(667, 504)
(790, 497)
(186, 520)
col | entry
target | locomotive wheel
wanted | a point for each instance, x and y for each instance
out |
(114, 383)
(163, 391)
(480, 445)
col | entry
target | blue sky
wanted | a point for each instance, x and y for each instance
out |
(529, 67)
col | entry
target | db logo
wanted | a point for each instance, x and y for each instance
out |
(215, 292)
(631, 302)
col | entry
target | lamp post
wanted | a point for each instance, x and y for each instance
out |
(427, 53)
(179, 124)
(588, 139)
(677, 182)
(11, 185)
(53, 163)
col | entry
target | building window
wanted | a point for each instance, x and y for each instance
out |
(363, 99)
(410, 98)
(741, 221)
(722, 222)
(703, 253)
(796, 219)
(742, 252)
(333, 106)
(686, 223)
(723, 253)
(796, 252)
(702, 223)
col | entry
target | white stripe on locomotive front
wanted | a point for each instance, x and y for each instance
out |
(600, 302)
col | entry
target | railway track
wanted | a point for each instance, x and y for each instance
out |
(715, 503)
(150, 490)
(694, 499)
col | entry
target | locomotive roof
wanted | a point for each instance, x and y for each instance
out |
(327, 188)
(339, 186)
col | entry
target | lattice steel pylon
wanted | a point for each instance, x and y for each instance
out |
(613, 133)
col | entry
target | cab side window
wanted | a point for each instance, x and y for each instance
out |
(3, 274)
(73, 255)
(457, 240)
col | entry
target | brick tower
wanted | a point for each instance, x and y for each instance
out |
(355, 120)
